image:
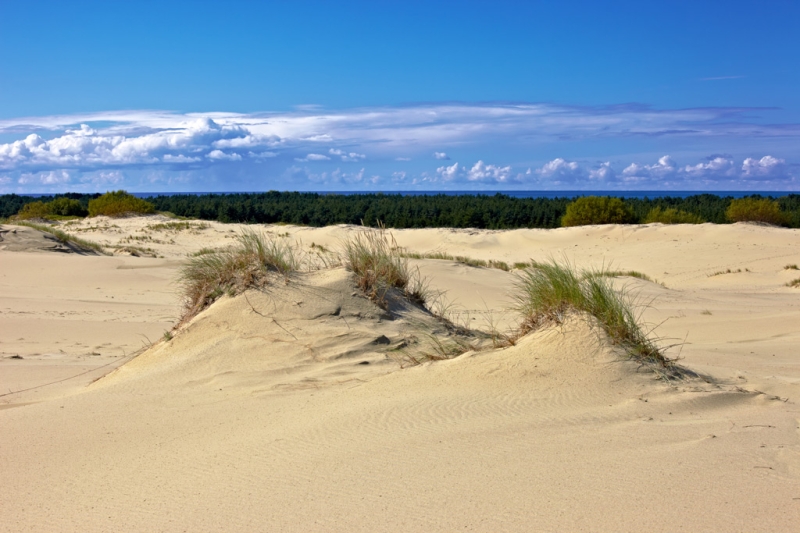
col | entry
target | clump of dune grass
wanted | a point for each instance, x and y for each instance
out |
(231, 271)
(549, 292)
(65, 238)
(794, 283)
(178, 226)
(373, 256)
(726, 271)
(791, 267)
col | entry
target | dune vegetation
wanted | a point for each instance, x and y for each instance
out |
(670, 215)
(550, 292)
(373, 256)
(66, 238)
(118, 204)
(761, 210)
(247, 264)
(597, 210)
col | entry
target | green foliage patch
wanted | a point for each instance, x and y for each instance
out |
(761, 210)
(597, 210)
(670, 215)
(119, 204)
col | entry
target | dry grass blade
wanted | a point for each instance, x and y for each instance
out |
(208, 276)
(372, 255)
(548, 292)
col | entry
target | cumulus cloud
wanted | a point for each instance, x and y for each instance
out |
(491, 173)
(205, 145)
(313, 157)
(480, 172)
(347, 156)
(767, 167)
(219, 155)
(718, 167)
(450, 173)
(665, 168)
(605, 173)
(561, 170)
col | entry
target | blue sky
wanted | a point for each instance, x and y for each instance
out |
(244, 96)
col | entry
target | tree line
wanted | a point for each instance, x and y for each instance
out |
(497, 211)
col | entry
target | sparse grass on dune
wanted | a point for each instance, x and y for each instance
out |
(794, 283)
(248, 264)
(549, 292)
(373, 257)
(444, 256)
(791, 267)
(65, 237)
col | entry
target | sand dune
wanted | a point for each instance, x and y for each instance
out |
(286, 409)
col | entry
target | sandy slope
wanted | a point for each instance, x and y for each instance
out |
(259, 416)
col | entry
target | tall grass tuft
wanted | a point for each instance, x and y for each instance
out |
(247, 264)
(549, 292)
(374, 258)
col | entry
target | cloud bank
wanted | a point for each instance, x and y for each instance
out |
(396, 146)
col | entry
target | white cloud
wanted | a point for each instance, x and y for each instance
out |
(313, 157)
(603, 174)
(665, 168)
(560, 170)
(480, 172)
(717, 167)
(149, 143)
(491, 173)
(219, 155)
(767, 167)
(347, 156)
(450, 173)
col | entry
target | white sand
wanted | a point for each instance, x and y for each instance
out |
(258, 416)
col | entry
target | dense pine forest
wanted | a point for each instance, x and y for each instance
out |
(496, 211)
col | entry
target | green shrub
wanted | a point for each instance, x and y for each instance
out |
(66, 207)
(118, 204)
(755, 210)
(597, 210)
(33, 210)
(672, 216)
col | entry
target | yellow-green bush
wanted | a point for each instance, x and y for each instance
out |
(60, 207)
(597, 210)
(672, 216)
(118, 204)
(755, 210)
(33, 210)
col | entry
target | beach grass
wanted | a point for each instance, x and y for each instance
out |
(206, 277)
(373, 256)
(469, 261)
(551, 291)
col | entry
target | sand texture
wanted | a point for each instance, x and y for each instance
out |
(295, 408)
